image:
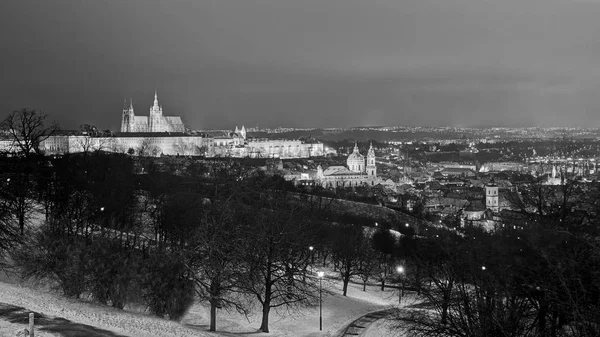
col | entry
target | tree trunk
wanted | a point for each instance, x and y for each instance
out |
(382, 284)
(445, 304)
(418, 279)
(264, 326)
(22, 220)
(542, 319)
(346, 279)
(213, 315)
(364, 285)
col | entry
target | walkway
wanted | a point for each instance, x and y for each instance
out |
(56, 325)
(360, 325)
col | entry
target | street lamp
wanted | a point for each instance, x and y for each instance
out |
(312, 257)
(321, 274)
(400, 271)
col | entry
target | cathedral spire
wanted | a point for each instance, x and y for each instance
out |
(155, 98)
(355, 147)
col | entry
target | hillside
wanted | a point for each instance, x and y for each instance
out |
(337, 312)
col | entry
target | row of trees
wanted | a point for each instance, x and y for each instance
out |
(536, 276)
(221, 232)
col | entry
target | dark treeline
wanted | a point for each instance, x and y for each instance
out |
(182, 231)
(164, 234)
(538, 277)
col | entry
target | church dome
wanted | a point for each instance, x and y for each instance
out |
(356, 161)
(356, 157)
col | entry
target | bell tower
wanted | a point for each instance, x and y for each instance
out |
(491, 196)
(371, 168)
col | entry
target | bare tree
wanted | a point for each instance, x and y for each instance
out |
(147, 148)
(216, 258)
(28, 129)
(349, 243)
(276, 252)
(9, 232)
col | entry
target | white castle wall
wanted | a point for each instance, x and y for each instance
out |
(182, 145)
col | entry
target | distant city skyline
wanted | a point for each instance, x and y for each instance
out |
(309, 63)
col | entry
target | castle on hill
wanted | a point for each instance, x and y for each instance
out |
(154, 122)
(156, 135)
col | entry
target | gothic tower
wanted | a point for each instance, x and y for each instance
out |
(155, 118)
(491, 196)
(371, 168)
(128, 121)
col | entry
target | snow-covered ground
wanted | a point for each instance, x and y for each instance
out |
(8, 329)
(383, 327)
(337, 312)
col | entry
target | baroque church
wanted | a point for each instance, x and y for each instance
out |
(359, 171)
(154, 122)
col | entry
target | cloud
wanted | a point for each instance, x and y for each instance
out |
(305, 63)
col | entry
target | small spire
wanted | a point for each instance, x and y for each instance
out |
(355, 147)
(155, 98)
(131, 104)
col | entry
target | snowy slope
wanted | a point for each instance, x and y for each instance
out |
(337, 311)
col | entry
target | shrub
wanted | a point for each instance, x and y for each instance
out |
(167, 289)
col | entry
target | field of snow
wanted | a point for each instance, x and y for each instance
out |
(337, 312)
(383, 327)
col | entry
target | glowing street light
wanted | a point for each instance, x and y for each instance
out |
(400, 271)
(483, 268)
(312, 258)
(320, 274)
(101, 209)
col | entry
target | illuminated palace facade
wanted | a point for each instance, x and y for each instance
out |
(157, 135)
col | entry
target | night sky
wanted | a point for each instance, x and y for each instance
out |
(305, 63)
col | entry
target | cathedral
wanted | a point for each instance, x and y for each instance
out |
(155, 122)
(156, 135)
